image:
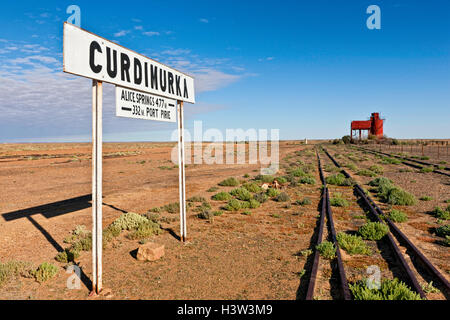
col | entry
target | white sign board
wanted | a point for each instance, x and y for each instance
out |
(88, 55)
(140, 105)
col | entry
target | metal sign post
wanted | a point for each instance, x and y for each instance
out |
(145, 89)
(97, 241)
(181, 161)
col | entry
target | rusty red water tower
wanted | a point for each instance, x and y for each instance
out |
(374, 126)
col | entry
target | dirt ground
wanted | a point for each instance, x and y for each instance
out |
(46, 194)
(235, 257)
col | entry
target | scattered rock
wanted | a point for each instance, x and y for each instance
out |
(276, 185)
(150, 252)
(265, 186)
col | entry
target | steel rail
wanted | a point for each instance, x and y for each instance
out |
(315, 266)
(413, 279)
(326, 210)
(405, 159)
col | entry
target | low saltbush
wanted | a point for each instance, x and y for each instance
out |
(45, 271)
(327, 250)
(252, 187)
(353, 244)
(222, 196)
(373, 230)
(339, 180)
(443, 231)
(389, 290)
(241, 194)
(397, 216)
(283, 197)
(272, 192)
(443, 214)
(229, 182)
(338, 201)
(260, 197)
(366, 173)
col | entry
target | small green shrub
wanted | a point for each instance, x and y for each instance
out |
(280, 180)
(298, 172)
(338, 201)
(196, 199)
(387, 160)
(241, 194)
(272, 192)
(264, 178)
(67, 256)
(252, 187)
(304, 202)
(353, 244)
(426, 198)
(327, 250)
(330, 168)
(206, 215)
(443, 231)
(253, 204)
(129, 221)
(441, 213)
(222, 196)
(426, 169)
(111, 232)
(247, 213)
(307, 180)
(351, 166)
(397, 216)
(172, 207)
(380, 181)
(339, 180)
(233, 205)
(366, 173)
(373, 230)
(229, 182)
(389, 290)
(12, 269)
(145, 229)
(212, 189)
(217, 213)
(45, 272)
(377, 169)
(283, 197)
(275, 215)
(429, 288)
(306, 252)
(260, 197)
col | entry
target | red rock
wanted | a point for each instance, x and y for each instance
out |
(150, 252)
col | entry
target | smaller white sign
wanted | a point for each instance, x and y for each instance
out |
(140, 105)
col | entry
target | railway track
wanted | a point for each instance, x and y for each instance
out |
(326, 212)
(402, 239)
(419, 165)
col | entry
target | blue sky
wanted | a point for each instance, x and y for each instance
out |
(305, 67)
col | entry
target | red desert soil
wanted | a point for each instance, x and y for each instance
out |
(234, 257)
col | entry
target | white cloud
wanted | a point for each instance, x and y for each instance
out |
(266, 59)
(151, 33)
(138, 27)
(121, 33)
(203, 20)
(176, 52)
